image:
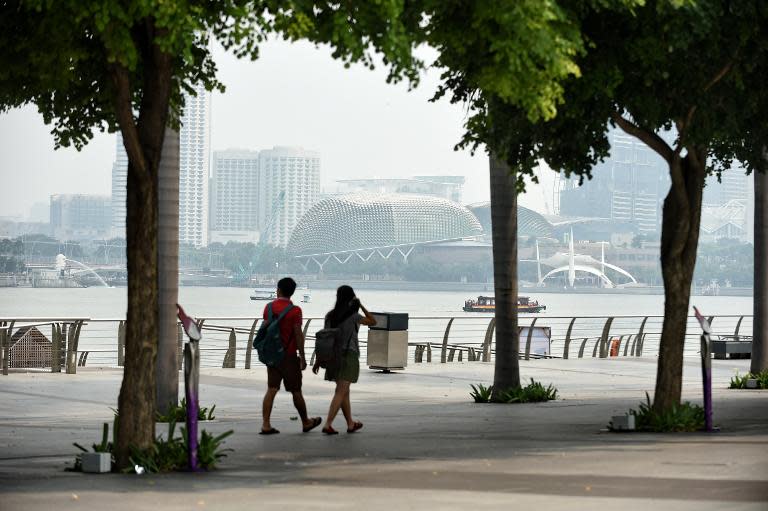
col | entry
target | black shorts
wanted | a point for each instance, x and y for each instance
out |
(289, 372)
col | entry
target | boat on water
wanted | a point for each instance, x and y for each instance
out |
(488, 304)
(264, 294)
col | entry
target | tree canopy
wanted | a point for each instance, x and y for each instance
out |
(689, 68)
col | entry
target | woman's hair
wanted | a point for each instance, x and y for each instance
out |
(346, 305)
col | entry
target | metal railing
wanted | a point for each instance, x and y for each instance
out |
(227, 341)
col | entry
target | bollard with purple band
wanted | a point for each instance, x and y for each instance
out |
(191, 376)
(706, 368)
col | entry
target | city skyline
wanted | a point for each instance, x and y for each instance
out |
(350, 116)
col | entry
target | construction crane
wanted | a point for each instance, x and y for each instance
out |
(272, 215)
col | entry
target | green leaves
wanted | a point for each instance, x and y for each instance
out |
(516, 50)
(178, 413)
(740, 381)
(678, 418)
(534, 392)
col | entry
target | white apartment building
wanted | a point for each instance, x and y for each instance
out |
(194, 153)
(234, 191)
(290, 185)
(119, 188)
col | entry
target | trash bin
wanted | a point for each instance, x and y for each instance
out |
(388, 341)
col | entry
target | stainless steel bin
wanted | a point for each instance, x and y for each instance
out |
(388, 341)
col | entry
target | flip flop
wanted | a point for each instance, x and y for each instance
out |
(330, 431)
(316, 421)
(355, 426)
(270, 431)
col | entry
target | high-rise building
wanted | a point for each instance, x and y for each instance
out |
(194, 154)
(728, 206)
(629, 186)
(290, 185)
(119, 188)
(234, 190)
(444, 187)
(81, 217)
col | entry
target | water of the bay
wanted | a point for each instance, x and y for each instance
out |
(423, 307)
(99, 302)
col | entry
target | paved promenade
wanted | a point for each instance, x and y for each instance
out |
(425, 445)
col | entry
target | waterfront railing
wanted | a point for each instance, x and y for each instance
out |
(64, 344)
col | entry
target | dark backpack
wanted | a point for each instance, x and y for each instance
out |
(329, 346)
(268, 342)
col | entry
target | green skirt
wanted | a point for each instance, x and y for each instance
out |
(349, 370)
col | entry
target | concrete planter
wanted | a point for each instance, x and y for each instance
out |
(96, 462)
(623, 422)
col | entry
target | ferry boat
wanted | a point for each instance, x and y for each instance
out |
(264, 294)
(488, 304)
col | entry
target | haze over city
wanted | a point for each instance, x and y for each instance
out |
(295, 94)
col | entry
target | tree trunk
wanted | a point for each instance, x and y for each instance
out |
(143, 139)
(136, 403)
(679, 242)
(168, 272)
(504, 235)
(760, 300)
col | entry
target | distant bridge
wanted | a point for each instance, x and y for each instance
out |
(365, 254)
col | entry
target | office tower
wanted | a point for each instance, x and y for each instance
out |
(234, 192)
(728, 206)
(444, 187)
(81, 217)
(629, 186)
(290, 185)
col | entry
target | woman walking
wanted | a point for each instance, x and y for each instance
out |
(347, 318)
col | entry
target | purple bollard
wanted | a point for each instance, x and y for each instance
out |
(191, 368)
(191, 379)
(706, 369)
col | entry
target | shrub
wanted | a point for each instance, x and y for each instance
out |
(169, 453)
(684, 417)
(740, 382)
(179, 413)
(532, 393)
(481, 393)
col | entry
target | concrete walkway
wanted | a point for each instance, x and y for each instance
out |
(425, 445)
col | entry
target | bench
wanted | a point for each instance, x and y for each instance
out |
(732, 346)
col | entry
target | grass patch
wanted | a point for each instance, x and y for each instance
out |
(534, 392)
(740, 382)
(178, 413)
(679, 418)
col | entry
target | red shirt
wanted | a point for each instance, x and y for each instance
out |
(287, 324)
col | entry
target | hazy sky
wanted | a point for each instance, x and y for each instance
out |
(296, 95)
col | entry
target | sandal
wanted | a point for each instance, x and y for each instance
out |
(270, 431)
(315, 422)
(330, 431)
(355, 426)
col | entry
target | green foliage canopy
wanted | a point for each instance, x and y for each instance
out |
(690, 66)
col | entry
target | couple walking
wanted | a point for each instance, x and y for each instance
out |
(345, 316)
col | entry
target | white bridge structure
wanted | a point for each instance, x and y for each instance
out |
(364, 254)
(571, 262)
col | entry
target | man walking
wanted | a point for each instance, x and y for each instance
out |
(294, 362)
